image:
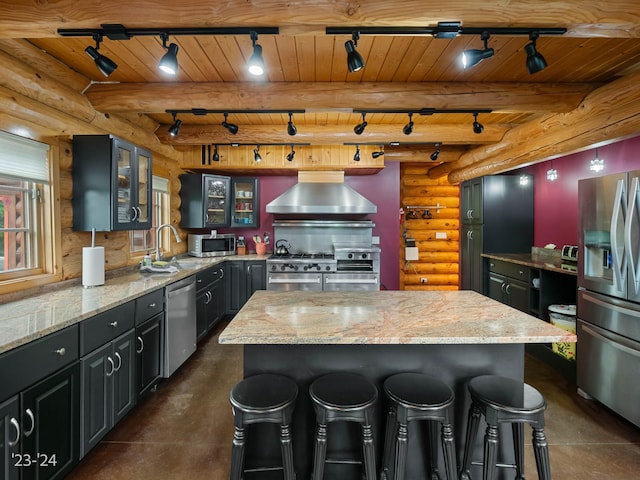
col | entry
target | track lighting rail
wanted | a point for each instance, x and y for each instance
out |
(120, 32)
(444, 30)
(202, 111)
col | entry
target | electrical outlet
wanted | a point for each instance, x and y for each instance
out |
(441, 235)
(423, 280)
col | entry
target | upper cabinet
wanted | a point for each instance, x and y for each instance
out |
(245, 208)
(210, 201)
(111, 184)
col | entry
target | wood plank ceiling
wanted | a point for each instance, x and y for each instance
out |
(307, 69)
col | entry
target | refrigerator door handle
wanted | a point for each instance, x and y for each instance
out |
(631, 209)
(617, 215)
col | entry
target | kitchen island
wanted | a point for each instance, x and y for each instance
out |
(453, 335)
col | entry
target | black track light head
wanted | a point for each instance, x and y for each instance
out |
(477, 126)
(291, 154)
(174, 129)
(355, 61)
(378, 153)
(256, 154)
(291, 128)
(356, 156)
(408, 128)
(256, 62)
(169, 61)
(231, 127)
(535, 61)
(359, 129)
(104, 64)
(434, 156)
(474, 56)
(216, 155)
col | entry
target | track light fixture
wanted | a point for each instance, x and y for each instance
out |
(256, 62)
(356, 157)
(256, 154)
(354, 59)
(358, 129)
(291, 154)
(378, 153)
(104, 64)
(535, 60)
(477, 126)
(434, 156)
(474, 56)
(169, 62)
(291, 128)
(408, 128)
(216, 155)
(174, 129)
(231, 127)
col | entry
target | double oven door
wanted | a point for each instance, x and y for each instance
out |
(331, 282)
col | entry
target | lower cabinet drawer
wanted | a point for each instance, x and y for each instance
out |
(105, 326)
(508, 269)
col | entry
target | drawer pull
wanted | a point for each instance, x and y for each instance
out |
(114, 324)
(141, 345)
(60, 351)
(152, 305)
(113, 367)
(33, 422)
(16, 426)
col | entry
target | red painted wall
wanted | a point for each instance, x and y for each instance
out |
(383, 189)
(556, 203)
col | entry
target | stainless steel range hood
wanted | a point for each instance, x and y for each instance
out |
(321, 193)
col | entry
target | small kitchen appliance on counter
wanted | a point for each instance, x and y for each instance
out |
(569, 258)
(212, 245)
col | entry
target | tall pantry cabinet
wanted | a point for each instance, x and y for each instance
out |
(497, 217)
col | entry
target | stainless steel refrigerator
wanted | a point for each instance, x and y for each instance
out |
(608, 310)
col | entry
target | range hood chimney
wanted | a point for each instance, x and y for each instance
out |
(321, 193)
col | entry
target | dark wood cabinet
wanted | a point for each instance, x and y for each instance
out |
(210, 298)
(497, 217)
(149, 320)
(509, 291)
(10, 432)
(245, 202)
(245, 277)
(111, 184)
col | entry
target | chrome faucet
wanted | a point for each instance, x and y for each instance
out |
(175, 232)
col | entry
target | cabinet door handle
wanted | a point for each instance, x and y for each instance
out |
(119, 362)
(16, 426)
(113, 367)
(135, 214)
(114, 324)
(60, 351)
(141, 345)
(503, 287)
(209, 298)
(33, 422)
(507, 289)
(221, 273)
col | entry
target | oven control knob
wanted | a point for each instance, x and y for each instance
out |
(319, 268)
(295, 267)
(364, 255)
(305, 268)
(350, 255)
(328, 268)
(282, 268)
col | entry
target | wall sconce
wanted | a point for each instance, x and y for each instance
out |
(552, 174)
(355, 61)
(356, 157)
(169, 61)
(358, 129)
(256, 154)
(597, 164)
(256, 62)
(104, 64)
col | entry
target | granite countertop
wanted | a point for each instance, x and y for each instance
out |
(529, 260)
(28, 319)
(385, 317)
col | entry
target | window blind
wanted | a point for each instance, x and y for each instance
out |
(160, 184)
(23, 158)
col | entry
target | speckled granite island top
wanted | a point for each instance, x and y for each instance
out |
(385, 317)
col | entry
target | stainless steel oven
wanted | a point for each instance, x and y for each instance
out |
(294, 281)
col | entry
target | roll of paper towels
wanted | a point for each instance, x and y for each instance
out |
(92, 266)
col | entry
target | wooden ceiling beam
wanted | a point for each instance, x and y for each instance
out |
(337, 96)
(330, 134)
(619, 18)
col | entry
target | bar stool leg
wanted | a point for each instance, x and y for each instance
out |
(541, 453)
(401, 451)
(237, 454)
(319, 451)
(490, 452)
(448, 449)
(472, 431)
(389, 443)
(432, 445)
(518, 448)
(369, 458)
(287, 452)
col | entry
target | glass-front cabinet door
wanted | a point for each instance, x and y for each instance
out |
(133, 183)
(216, 191)
(245, 202)
(144, 188)
(125, 211)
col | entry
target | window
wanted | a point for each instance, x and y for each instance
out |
(25, 242)
(143, 241)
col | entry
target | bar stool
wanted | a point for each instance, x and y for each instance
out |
(505, 400)
(343, 397)
(415, 396)
(263, 398)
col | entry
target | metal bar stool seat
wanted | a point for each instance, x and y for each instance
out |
(339, 397)
(264, 398)
(505, 400)
(415, 396)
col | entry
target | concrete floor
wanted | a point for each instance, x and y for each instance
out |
(184, 430)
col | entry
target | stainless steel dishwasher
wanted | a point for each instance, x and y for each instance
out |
(180, 323)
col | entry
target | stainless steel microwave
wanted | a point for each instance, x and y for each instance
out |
(213, 245)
